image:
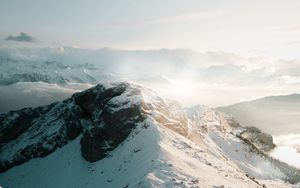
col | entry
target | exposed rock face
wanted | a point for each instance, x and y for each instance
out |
(260, 140)
(31, 133)
(14, 123)
(114, 117)
(103, 115)
(170, 114)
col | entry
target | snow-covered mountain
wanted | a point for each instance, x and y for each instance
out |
(124, 135)
(67, 64)
(14, 71)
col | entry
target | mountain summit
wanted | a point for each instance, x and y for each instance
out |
(124, 135)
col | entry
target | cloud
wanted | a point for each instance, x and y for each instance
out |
(186, 17)
(295, 42)
(23, 37)
(295, 28)
(290, 79)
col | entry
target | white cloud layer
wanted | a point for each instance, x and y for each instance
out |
(186, 17)
(214, 78)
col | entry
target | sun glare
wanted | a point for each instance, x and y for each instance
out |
(181, 88)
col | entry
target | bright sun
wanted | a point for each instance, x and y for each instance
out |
(181, 88)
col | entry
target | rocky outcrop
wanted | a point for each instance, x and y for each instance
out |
(261, 141)
(170, 114)
(37, 132)
(15, 123)
(114, 116)
(103, 115)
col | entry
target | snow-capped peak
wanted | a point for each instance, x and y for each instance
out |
(125, 135)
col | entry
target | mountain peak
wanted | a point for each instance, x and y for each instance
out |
(105, 115)
(125, 130)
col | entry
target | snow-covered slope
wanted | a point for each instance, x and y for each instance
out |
(124, 135)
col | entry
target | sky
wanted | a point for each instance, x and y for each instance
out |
(248, 27)
(237, 50)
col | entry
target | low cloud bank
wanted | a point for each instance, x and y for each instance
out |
(288, 149)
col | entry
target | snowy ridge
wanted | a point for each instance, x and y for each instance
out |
(49, 71)
(125, 135)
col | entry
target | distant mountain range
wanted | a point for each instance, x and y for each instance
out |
(274, 114)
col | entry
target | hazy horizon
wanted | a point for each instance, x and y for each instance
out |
(267, 28)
